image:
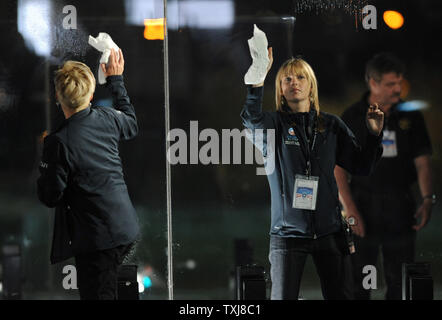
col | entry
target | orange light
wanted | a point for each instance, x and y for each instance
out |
(154, 29)
(405, 88)
(42, 136)
(393, 19)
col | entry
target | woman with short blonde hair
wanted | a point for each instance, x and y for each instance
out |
(82, 176)
(74, 85)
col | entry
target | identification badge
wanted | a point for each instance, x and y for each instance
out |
(389, 144)
(305, 192)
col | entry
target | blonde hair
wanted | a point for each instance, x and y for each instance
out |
(74, 84)
(296, 66)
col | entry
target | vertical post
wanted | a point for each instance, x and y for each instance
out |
(168, 168)
(47, 96)
(48, 126)
(290, 23)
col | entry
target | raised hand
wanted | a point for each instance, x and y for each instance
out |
(115, 65)
(375, 119)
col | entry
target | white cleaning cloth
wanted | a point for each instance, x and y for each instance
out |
(258, 49)
(103, 43)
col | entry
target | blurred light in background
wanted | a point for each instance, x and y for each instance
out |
(139, 10)
(191, 264)
(144, 282)
(147, 282)
(393, 19)
(140, 283)
(147, 278)
(198, 14)
(412, 105)
(154, 29)
(405, 88)
(34, 24)
(201, 14)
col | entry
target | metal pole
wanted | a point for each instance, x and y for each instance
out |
(47, 99)
(168, 168)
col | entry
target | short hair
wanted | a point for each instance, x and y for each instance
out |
(296, 66)
(74, 84)
(382, 63)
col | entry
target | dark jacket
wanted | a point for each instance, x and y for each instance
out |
(334, 144)
(82, 175)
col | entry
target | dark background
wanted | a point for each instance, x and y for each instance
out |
(213, 205)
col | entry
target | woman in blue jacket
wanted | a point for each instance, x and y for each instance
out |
(305, 212)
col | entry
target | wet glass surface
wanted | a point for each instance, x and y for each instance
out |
(220, 208)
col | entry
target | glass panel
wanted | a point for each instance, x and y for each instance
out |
(39, 35)
(221, 209)
(220, 201)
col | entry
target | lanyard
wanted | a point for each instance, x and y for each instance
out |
(309, 164)
(306, 149)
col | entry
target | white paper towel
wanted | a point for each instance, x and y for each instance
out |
(103, 43)
(258, 50)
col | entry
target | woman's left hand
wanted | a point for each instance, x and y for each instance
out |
(375, 119)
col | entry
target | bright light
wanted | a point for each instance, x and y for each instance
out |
(413, 105)
(140, 283)
(139, 10)
(190, 264)
(154, 29)
(144, 282)
(393, 19)
(33, 20)
(147, 282)
(199, 14)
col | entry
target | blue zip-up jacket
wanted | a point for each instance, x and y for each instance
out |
(82, 176)
(334, 145)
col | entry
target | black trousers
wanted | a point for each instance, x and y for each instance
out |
(388, 219)
(395, 251)
(97, 272)
(288, 256)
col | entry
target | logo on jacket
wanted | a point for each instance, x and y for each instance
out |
(292, 132)
(404, 124)
(291, 138)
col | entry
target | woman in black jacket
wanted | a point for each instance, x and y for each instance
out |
(305, 212)
(82, 175)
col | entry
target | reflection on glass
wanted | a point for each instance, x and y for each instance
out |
(34, 25)
(221, 210)
(41, 34)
